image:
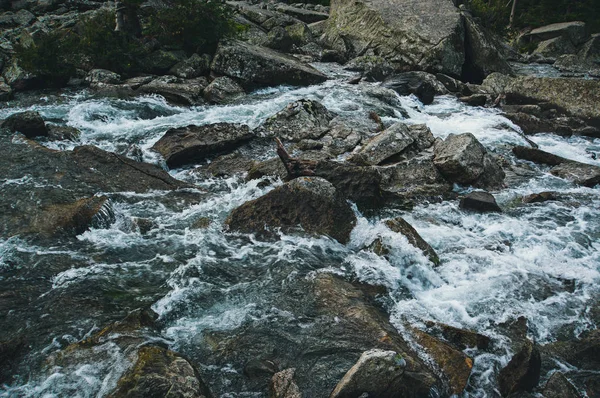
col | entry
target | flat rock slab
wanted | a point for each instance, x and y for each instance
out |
(574, 31)
(583, 174)
(261, 66)
(191, 144)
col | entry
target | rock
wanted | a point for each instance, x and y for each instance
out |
(194, 66)
(299, 120)
(583, 174)
(176, 90)
(558, 386)
(96, 76)
(480, 201)
(300, 34)
(554, 48)
(399, 225)
(425, 35)
(531, 124)
(311, 203)
(587, 59)
(578, 97)
(160, 373)
(284, 386)
(575, 32)
(475, 99)
(304, 15)
(62, 133)
(19, 79)
(259, 66)
(522, 373)
(279, 39)
(415, 179)
(461, 339)
(29, 123)
(482, 54)
(377, 373)
(455, 365)
(453, 85)
(496, 83)
(159, 62)
(184, 145)
(230, 164)
(462, 159)
(272, 167)
(222, 90)
(259, 367)
(537, 156)
(540, 197)
(372, 67)
(423, 85)
(393, 141)
(6, 92)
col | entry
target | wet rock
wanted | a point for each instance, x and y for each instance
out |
(271, 167)
(160, 373)
(585, 61)
(377, 373)
(480, 201)
(62, 133)
(201, 223)
(297, 121)
(558, 386)
(462, 159)
(258, 368)
(455, 365)
(583, 174)
(483, 53)
(522, 373)
(29, 123)
(453, 85)
(10, 350)
(531, 124)
(176, 90)
(191, 144)
(222, 90)
(540, 197)
(19, 79)
(424, 35)
(311, 203)
(144, 225)
(6, 93)
(475, 99)
(399, 225)
(70, 218)
(537, 156)
(261, 66)
(195, 66)
(461, 339)
(394, 141)
(96, 76)
(284, 386)
(423, 85)
(230, 164)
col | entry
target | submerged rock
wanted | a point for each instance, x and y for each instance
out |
(29, 123)
(191, 144)
(480, 201)
(540, 197)
(159, 372)
(522, 373)
(423, 85)
(311, 203)
(261, 66)
(400, 226)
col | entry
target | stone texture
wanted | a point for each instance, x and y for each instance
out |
(299, 120)
(222, 90)
(522, 373)
(284, 386)
(29, 123)
(480, 201)
(399, 225)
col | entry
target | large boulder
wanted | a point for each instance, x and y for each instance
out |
(29, 123)
(159, 372)
(423, 85)
(223, 89)
(190, 144)
(394, 141)
(177, 90)
(426, 35)
(480, 201)
(462, 159)
(575, 32)
(261, 66)
(308, 202)
(299, 120)
(587, 59)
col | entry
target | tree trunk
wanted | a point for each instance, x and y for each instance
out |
(126, 19)
(512, 14)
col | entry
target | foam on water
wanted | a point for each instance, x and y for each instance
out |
(538, 260)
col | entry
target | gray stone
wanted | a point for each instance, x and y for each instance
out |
(176, 90)
(261, 66)
(279, 39)
(401, 226)
(558, 386)
(306, 16)
(480, 201)
(194, 66)
(6, 93)
(191, 144)
(583, 174)
(222, 90)
(554, 48)
(29, 123)
(297, 121)
(423, 85)
(103, 76)
(522, 373)
(460, 158)
(426, 35)
(284, 386)
(159, 62)
(575, 32)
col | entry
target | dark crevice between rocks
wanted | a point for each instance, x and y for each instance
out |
(470, 72)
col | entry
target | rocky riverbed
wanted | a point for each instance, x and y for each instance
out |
(272, 220)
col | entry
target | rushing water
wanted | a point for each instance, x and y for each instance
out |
(540, 261)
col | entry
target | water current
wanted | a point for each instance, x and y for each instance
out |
(540, 261)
